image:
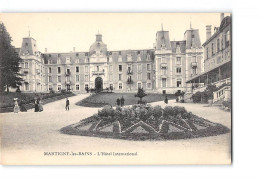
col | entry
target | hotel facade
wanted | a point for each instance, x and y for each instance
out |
(162, 69)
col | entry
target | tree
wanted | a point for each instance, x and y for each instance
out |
(140, 94)
(9, 62)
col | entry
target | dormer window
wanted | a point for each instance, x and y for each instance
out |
(86, 54)
(58, 61)
(49, 55)
(67, 59)
(58, 55)
(77, 54)
(129, 57)
(77, 60)
(26, 44)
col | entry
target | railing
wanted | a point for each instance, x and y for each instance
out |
(67, 73)
(129, 72)
(130, 82)
(220, 94)
(164, 65)
(67, 82)
(194, 64)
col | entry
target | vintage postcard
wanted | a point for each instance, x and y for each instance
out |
(115, 88)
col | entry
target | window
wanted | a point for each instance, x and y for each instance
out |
(58, 61)
(178, 60)
(194, 71)
(68, 60)
(26, 86)
(67, 79)
(59, 79)
(139, 76)
(26, 44)
(77, 69)
(86, 69)
(194, 59)
(77, 87)
(110, 77)
(139, 85)
(111, 87)
(227, 38)
(26, 65)
(148, 67)
(77, 54)
(50, 79)
(149, 85)
(86, 86)
(77, 78)
(86, 77)
(50, 87)
(49, 55)
(49, 69)
(179, 83)
(164, 70)
(120, 77)
(148, 76)
(110, 68)
(120, 86)
(58, 55)
(164, 82)
(139, 67)
(59, 87)
(59, 70)
(218, 45)
(178, 70)
(68, 71)
(207, 52)
(77, 60)
(120, 68)
(86, 54)
(212, 49)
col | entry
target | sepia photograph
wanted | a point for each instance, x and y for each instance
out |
(116, 88)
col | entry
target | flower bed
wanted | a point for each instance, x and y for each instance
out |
(143, 122)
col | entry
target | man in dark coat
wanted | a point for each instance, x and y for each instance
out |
(67, 104)
(166, 100)
(122, 101)
(36, 105)
(118, 101)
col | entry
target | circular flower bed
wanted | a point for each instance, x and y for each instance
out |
(144, 122)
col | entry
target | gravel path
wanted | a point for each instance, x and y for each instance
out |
(26, 136)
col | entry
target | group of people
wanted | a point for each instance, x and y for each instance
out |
(120, 101)
(38, 105)
(19, 107)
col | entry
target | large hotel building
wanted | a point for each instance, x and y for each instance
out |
(163, 69)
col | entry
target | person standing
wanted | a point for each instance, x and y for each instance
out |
(67, 104)
(36, 105)
(22, 106)
(16, 106)
(122, 101)
(166, 100)
(40, 105)
(118, 101)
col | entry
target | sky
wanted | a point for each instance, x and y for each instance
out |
(60, 32)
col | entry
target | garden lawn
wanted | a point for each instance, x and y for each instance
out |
(7, 99)
(102, 99)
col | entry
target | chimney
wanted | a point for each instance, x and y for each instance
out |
(74, 49)
(221, 17)
(208, 31)
(46, 50)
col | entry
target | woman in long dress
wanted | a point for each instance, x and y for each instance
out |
(16, 106)
(40, 105)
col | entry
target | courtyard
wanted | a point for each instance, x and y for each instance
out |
(28, 135)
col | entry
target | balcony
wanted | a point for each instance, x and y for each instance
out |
(26, 70)
(67, 73)
(129, 72)
(67, 82)
(164, 65)
(194, 64)
(98, 73)
(129, 81)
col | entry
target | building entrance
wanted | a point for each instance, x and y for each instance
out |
(99, 84)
